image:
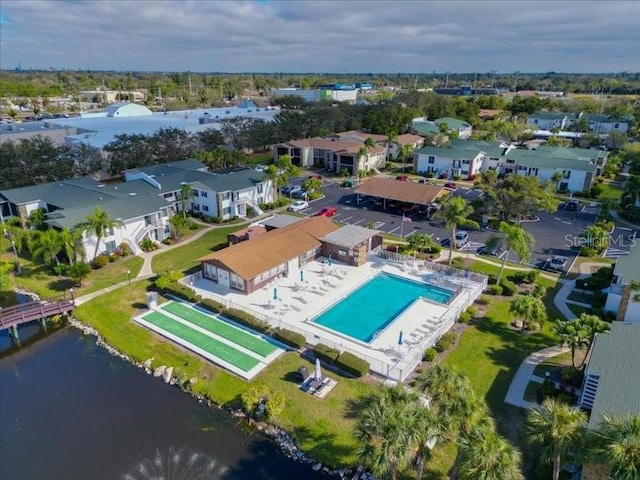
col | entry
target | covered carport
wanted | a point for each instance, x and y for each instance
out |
(396, 190)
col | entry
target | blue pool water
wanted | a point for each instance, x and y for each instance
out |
(376, 304)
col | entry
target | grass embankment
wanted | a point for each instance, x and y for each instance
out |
(322, 428)
(39, 279)
(185, 258)
(610, 191)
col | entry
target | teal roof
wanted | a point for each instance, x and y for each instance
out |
(452, 123)
(598, 118)
(425, 128)
(548, 157)
(552, 115)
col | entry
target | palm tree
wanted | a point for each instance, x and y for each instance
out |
(558, 428)
(70, 240)
(78, 271)
(177, 225)
(517, 239)
(426, 429)
(573, 335)
(37, 217)
(487, 456)
(631, 191)
(530, 310)
(556, 178)
(383, 432)
(405, 154)
(596, 237)
(617, 443)
(46, 246)
(186, 194)
(369, 143)
(592, 325)
(99, 223)
(455, 212)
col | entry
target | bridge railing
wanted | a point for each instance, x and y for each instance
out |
(27, 312)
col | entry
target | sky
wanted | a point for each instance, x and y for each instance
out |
(354, 36)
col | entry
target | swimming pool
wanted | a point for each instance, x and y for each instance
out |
(375, 304)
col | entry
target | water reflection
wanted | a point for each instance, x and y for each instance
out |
(177, 464)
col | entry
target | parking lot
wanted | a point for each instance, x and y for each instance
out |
(555, 233)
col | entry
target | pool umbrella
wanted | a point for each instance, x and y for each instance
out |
(317, 375)
(275, 293)
(400, 338)
(302, 275)
(329, 260)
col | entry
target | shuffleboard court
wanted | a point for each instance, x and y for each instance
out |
(221, 328)
(214, 347)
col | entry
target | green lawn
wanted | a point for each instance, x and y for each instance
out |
(186, 257)
(322, 428)
(610, 192)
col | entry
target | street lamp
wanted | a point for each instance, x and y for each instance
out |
(129, 276)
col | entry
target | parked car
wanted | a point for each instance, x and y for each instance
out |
(261, 168)
(423, 180)
(300, 193)
(557, 263)
(291, 189)
(495, 250)
(327, 212)
(572, 205)
(298, 206)
(316, 177)
(402, 178)
(450, 185)
(443, 176)
(462, 238)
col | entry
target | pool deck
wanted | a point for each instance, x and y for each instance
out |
(297, 303)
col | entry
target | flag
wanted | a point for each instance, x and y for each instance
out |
(406, 219)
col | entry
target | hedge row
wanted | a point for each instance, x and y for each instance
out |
(182, 291)
(352, 364)
(326, 353)
(445, 341)
(345, 360)
(288, 337)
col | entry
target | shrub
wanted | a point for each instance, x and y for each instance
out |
(124, 248)
(162, 282)
(508, 288)
(457, 262)
(456, 178)
(148, 245)
(99, 262)
(495, 289)
(596, 191)
(484, 300)
(473, 311)
(326, 353)
(352, 364)
(588, 252)
(246, 319)
(445, 341)
(531, 276)
(212, 305)
(430, 175)
(282, 201)
(429, 355)
(112, 258)
(539, 291)
(181, 291)
(493, 279)
(464, 317)
(293, 339)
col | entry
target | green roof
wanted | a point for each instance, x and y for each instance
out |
(548, 157)
(552, 115)
(628, 267)
(614, 358)
(425, 128)
(452, 123)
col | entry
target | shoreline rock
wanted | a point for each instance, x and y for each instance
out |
(278, 435)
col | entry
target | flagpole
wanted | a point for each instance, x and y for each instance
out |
(402, 228)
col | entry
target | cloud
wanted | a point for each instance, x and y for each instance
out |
(311, 36)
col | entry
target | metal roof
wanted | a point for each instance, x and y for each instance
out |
(350, 236)
(279, 221)
(615, 359)
(409, 192)
(628, 267)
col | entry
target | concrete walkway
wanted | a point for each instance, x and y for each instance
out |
(515, 394)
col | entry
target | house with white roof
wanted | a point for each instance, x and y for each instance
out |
(144, 201)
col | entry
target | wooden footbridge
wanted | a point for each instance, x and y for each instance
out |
(15, 315)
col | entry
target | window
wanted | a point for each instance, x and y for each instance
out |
(465, 162)
(226, 211)
(566, 174)
(196, 193)
(210, 271)
(616, 125)
(342, 253)
(226, 195)
(205, 208)
(236, 281)
(111, 232)
(510, 161)
(204, 194)
(432, 159)
(196, 206)
(111, 246)
(168, 195)
(260, 188)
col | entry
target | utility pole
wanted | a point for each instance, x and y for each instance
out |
(493, 74)
(475, 77)
(515, 84)
(446, 82)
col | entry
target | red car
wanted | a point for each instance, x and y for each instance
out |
(402, 178)
(450, 186)
(327, 212)
(315, 177)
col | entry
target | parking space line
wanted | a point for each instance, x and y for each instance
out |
(344, 220)
(391, 232)
(377, 225)
(410, 233)
(358, 222)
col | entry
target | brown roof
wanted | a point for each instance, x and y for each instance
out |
(489, 113)
(408, 139)
(348, 146)
(253, 257)
(409, 192)
(251, 232)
